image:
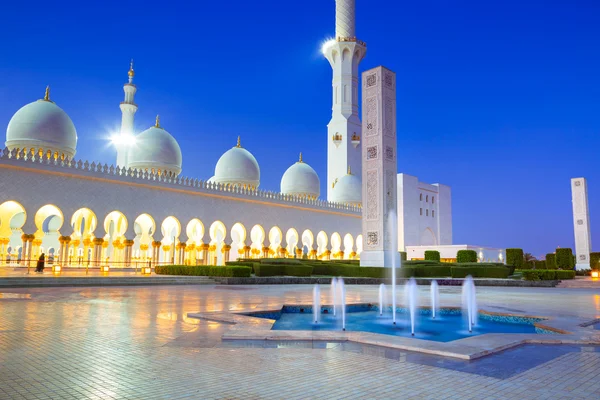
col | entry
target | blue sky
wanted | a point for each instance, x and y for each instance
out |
(498, 99)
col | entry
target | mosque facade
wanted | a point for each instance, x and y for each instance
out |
(141, 209)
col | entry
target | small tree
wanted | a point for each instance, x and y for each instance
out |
(595, 261)
(515, 257)
(550, 261)
(466, 256)
(432, 255)
(565, 259)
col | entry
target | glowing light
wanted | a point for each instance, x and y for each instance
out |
(595, 274)
(327, 45)
(118, 139)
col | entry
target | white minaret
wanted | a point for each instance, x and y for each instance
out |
(581, 222)
(344, 53)
(128, 109)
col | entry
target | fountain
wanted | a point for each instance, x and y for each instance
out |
(316, 303)
(334, 294)
(410, 293)
(381, 298)
(393, 233)
(469, 301)
(435, 298)
(342, 289)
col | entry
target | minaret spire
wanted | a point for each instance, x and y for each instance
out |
(128, 110)
(47, 94)
(344, 54)
(239, 142)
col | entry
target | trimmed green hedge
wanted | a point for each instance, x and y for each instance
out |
(269, 269)
(203, 270)
(595, 260)
(298, 270)
(564, 259)
(515, 257)
(432, 255)
(546, 274)
(280, 261)
(241, 264)
(480, 270)
(403, 256)
(466, 256)
(551, 261)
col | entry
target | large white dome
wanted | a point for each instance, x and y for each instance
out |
(348, 190)
(237, 167)
(301, 180)
(42, 125)
(155, 149)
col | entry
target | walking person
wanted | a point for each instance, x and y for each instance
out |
(40, 263)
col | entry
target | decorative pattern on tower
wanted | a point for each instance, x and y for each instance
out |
(345, 19)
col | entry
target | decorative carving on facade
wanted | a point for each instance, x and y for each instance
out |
(372, 197)
(371, 122)
(372, 238)
(389, 117)
(389, 153)
(389, 80)
(371, 80)
(372, 152)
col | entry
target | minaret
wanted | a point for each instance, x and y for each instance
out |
(344, 53)
(128, 109)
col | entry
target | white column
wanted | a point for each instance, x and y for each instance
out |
(581, 223)
(379, 163)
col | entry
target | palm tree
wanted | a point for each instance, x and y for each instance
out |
(529, 259)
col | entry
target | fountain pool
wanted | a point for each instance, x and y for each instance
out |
(449, 323)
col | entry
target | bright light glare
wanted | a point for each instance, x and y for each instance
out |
(326, 45)
(117, 139)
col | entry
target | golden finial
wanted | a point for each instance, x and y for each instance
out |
(300, 160)
(239, 142)
(349, 170)
(157, 121)
(131, 73)
(47, 95)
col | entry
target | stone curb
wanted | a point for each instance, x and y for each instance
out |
(18, 282)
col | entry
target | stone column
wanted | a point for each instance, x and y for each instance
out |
(128, 252)
(180, 253)
(97, 252)
(265, 251)
(226, 250)
(247, 250)
(30, 239)
(298, 252)
(24, 245)
(205, 249)
(74, 258)
(86, 246)
(327, 255)
(379, 169)
(156, 251)
(64, 250)
(36, 249)
(313, 254)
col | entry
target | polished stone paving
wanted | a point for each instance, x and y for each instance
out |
(138, 343)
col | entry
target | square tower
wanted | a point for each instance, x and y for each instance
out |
(581, 223)
(379, 169)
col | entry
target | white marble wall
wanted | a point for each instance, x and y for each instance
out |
(581, 222)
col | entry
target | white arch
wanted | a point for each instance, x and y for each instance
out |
(217, 233)
(257, 236)
(238, 241)
(348, 246)
(322, 242)
(291, 238)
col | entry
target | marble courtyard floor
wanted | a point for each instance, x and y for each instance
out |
(139, 343)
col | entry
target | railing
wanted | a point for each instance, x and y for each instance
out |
(159, 179)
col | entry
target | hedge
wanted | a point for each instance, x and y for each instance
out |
(432, 255)
(536, 264)
(515, 257)
(546, 274)
(595, 260)
(203, 270)
(280, 261)
(551, 261)
(403, 256)
(466, 256)
(269, 269)
(564, 259)
(476, 270)
(241, 264)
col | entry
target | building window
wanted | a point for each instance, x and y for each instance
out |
(433, 213)
(427, 199)
(427, 213)
(421, 211)
(421, 197)
(432, 199)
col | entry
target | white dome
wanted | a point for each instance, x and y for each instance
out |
(155, 149)
(301, 180)
(237, 167)
(347, 190)
(42, 125)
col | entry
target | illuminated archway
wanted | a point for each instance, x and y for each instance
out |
(359, 245)
(291, 238)
(238, 241)
(195, 234)
(144, 228)
(217, 233)
(48, 221)
(348, 246)
(115, 226)
(308, 240)
(257, 235)
(83, 223)
(12, 219)
(275, 237)
(336, 245)
(170, 229)
(322, 241)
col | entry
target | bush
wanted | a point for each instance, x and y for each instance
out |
(551, 261)
(564, 259)
(538, 264)
(403, 256)
(266, 269)
(280, 261)
(432, 255)
(466, 256)
(203, 270)
(515, 257)
(241, 264)
(595, 260)
(565, 274)
(298, 270)
(480, 270)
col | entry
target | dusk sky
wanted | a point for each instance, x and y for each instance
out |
(498, 99)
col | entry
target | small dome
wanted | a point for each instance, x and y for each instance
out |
(155, 149)
(301, 180)
(42, 125)
(348, 190)
(237, 167)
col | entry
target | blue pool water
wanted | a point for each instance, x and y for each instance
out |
(444, 328)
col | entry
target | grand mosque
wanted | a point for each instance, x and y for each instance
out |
(143, 209)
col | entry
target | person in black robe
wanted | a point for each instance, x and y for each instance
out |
(40, 263)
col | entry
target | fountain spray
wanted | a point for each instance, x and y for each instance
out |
(410, 292)
(334, 294)
(316, 303)
(381, 298)
(435, 297)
